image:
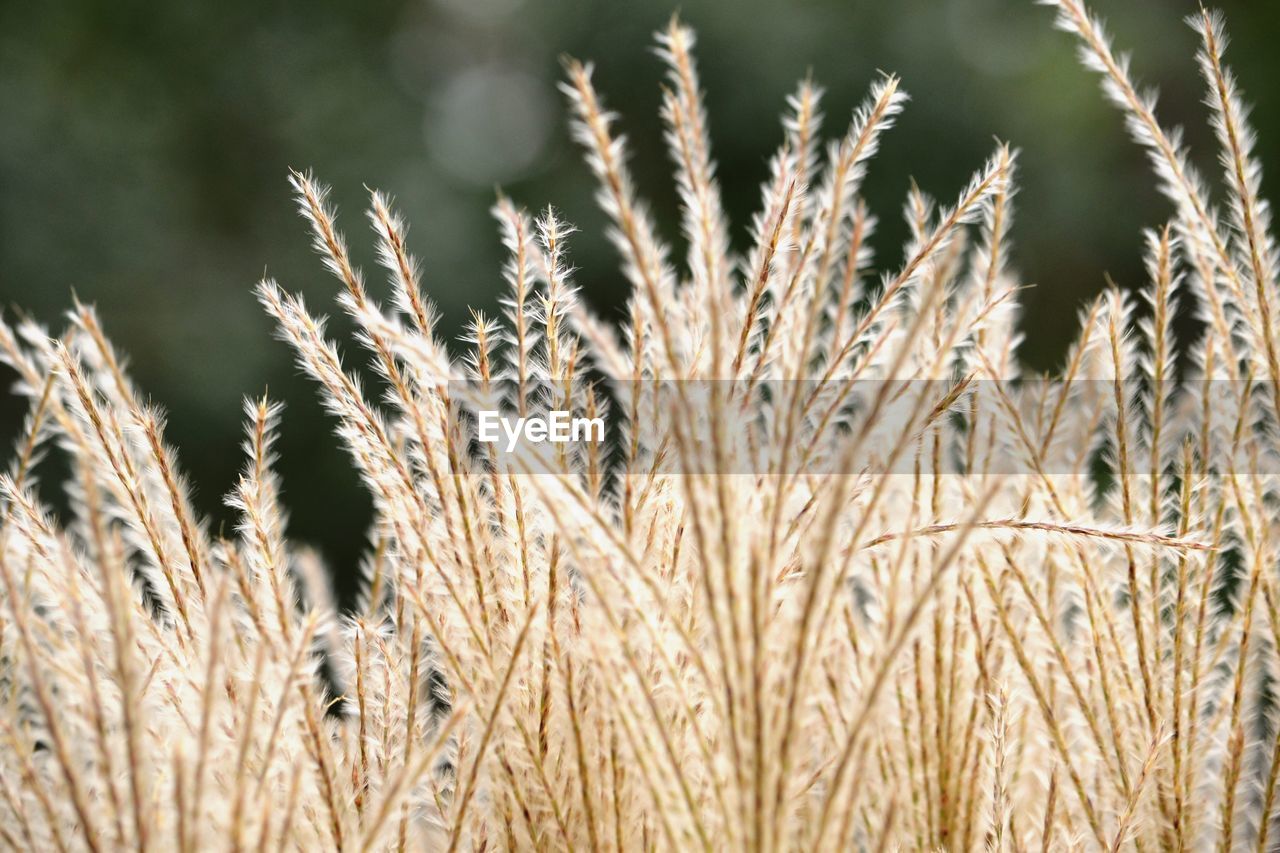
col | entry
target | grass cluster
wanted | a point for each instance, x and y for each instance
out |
(628, 647)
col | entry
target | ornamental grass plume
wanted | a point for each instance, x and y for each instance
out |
(841, 577)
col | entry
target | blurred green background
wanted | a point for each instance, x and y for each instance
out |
(144, 149)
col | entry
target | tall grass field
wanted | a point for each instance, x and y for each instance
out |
(838, 575)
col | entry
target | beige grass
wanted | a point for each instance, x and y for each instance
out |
(643, 652)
